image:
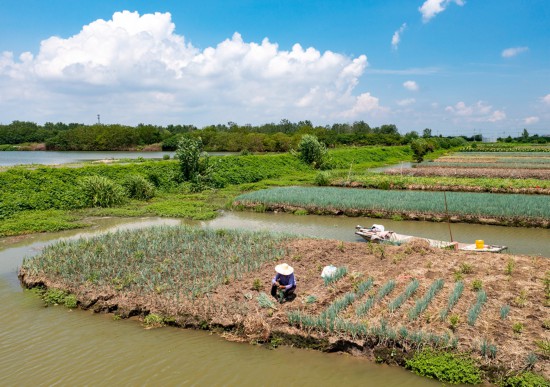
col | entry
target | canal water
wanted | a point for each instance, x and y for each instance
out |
(10, 158)
(56, 346)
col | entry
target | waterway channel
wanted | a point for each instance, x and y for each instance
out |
(57, 346)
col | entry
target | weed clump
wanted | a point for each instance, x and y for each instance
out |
(100, 191)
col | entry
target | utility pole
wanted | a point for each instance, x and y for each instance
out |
(98, 120)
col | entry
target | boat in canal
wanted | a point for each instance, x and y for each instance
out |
(377, 234)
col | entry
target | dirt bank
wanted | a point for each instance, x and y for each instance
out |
(514, 281)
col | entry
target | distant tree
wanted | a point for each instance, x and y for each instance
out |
(413, 135)
(420, 148)
(312, 152)
(427, 133)
(525, 135)
(188, 153)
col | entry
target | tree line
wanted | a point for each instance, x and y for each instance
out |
(270, 137)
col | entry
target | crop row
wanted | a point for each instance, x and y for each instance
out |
(519, 165)
(459, 203)
(499, 149)
(330, 320)
(180, 261)
(460, 172)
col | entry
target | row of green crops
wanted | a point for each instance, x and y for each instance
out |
(506, 154)
(501, 148)
(330, 320)
(396, 181)
(460, 203)
(506, 165)
(177, 261)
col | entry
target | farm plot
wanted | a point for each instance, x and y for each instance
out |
(462, 206)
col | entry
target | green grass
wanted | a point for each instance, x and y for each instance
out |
(29, 222)
(460, 203)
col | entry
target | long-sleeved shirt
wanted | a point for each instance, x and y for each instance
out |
(288, 280)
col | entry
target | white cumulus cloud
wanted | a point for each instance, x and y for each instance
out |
(531, 120)
(365, 103)
(430, 8)
(478, 112)
(546, 99)
(410, 85)
(405, 102)
(135, 68)
(396, 38)
(513, 51)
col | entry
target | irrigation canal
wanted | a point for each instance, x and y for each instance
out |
(57, 346)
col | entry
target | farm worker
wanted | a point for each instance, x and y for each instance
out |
(284, 281)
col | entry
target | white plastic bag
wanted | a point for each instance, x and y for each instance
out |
(328, 271)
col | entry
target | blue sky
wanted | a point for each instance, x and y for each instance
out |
(455, 66)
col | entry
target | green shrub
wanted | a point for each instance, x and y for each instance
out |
(54, 296)
(138, 187)
(444, 366)
(70, 301)
(100, 191)
(322, 179)
(312, 152)
(526, 379)
(153, 320)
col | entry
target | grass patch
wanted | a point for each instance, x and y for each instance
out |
(28, 222)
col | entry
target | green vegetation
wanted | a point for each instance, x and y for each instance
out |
(475, 310)
(453, 299)
(422, 304)
(459, 203)
(99, 191)
(384, 290)
(181, 261)
(504, 311)
(526, 379)
(312, 152)
(336, 276)
(517, 327)
(271, 137)
(445, 367)
(52, 296)
(265, 301)
(407, 293)
(488, 349)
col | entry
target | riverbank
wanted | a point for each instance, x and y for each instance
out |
(233, 305)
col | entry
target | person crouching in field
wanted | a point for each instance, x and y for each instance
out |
(283, 282)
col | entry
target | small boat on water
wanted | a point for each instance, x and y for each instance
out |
(377, 234)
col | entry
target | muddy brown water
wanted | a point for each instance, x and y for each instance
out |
(57, 346)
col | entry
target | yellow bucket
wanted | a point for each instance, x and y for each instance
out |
(480, 243)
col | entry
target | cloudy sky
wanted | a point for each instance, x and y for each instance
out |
(455, 66)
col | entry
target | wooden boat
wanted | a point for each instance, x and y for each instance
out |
(379, 235)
